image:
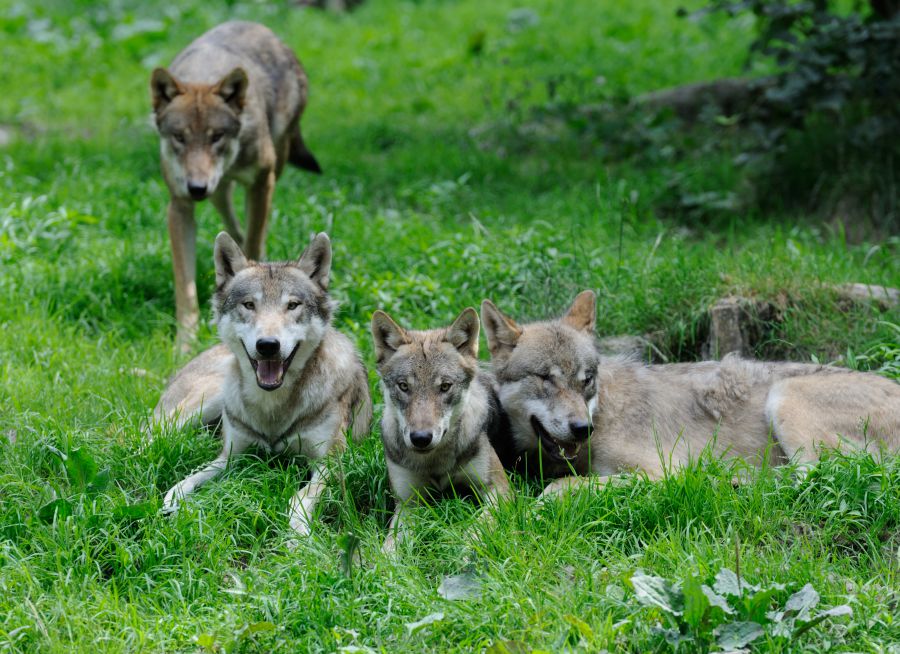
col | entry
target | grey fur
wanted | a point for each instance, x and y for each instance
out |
(645, 416)
(431, 383)
(303, 399)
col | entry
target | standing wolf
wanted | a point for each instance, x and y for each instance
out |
(227, 110)
(581, 414)
(283, 380)
(439, 413)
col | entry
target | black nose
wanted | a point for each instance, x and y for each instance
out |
(268, 347)
(197, 191)
(420, 439)
(580, 430)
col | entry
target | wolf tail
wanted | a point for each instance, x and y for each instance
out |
(300, 156)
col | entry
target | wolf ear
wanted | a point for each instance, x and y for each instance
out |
(316, 260)
(582, 315)
(233, 89)
(502, 333)
(387, 335)
(463, 333)
(229, 259)
(164, 88)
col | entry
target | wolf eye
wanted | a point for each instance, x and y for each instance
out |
(403, 386)
(179, 138)
(216, 137)
(292, 305)
(249, 306)
(446, 386)
(588, 380)
(545, 378)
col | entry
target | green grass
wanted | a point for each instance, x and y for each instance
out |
(447, 180)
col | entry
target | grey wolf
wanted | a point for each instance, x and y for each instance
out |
(283, 378)
(227, 110)
(578, 413)
(439, 413)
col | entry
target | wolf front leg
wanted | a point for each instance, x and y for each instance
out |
(396, 528)
(212, 470)
(303, 504)
(183, 239)
(259, 204)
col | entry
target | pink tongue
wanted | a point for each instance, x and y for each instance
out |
(268, 373)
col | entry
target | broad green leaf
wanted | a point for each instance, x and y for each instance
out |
(758, 604)
(583, 627)
(58, 508)
(735, 635)
(696, 602)
(716, 600)
(99, 483)
(727, 583)
(656, 591)
(207, 642)
(135, 511)
(259, 627)
(80, 467)
(802, 602)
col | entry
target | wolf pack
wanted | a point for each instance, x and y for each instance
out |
(548, 405)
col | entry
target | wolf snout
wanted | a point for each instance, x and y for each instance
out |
(580, 430)
(268, 347)
(197, 191)
(421, 439)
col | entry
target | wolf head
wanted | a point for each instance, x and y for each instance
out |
(271, 313)
(547, 374)
(198, 126)
(425, 377)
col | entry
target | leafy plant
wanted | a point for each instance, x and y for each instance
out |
(731, 613)
(836, 83)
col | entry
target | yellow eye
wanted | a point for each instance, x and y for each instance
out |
(446, 387)
(249, 306)
(403, 386)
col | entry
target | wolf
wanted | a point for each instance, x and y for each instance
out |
(577, 413)
(227, 110)
(440, 412)
(283, 378)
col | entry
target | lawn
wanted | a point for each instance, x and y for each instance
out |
(454, 171)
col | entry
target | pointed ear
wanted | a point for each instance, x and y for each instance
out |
(233, 89)
(229, 259)
(463, 333)
(163, 88)
(387, 335)
(316, 260)
(502, 333)
(582, 315)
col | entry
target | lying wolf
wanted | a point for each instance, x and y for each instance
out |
(439, 413)
(227, 110)
(579, 413)
(284, 379)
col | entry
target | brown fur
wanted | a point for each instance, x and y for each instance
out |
(433, 389)
(227, 111)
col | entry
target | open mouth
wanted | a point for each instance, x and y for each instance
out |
(270, 372)
(556, 449)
